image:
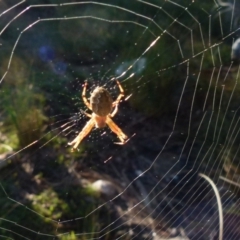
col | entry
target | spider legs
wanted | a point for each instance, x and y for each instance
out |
(114, 111)
(84, 96)
(120, 95)
(87, 114)
(115, 103)
(122, 136)
(113, 126)
(85, 131)
(99, 121)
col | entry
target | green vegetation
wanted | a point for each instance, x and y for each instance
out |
(33, 95)
(22, 106)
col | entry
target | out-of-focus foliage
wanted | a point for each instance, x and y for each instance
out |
(45, 80)
(22, 105)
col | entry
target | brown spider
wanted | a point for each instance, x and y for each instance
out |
(101, 104)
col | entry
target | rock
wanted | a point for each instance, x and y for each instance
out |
(235, 55)
(4, 159)
(105, 188)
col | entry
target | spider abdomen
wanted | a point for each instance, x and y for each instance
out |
(101, 101)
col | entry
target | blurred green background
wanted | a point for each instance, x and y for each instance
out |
(57, 48)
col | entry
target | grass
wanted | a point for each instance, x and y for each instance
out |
(22, 107)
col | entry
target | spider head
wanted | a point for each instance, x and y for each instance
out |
(100, 122)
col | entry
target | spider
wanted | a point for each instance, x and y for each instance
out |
(101, 105)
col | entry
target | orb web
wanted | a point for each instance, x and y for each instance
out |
(177, 176)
